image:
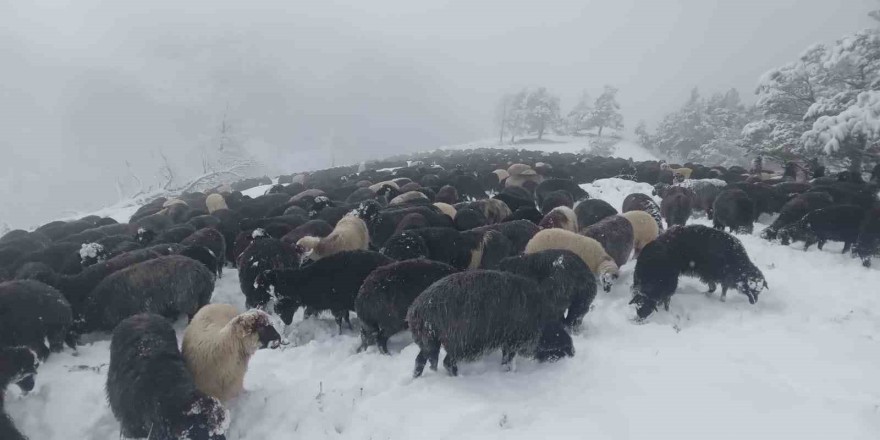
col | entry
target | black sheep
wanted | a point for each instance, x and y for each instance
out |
(616, 235)
(150, 390)
(835, 223)
(411, 221)
(17, 365)
(591, 211)
(169, 286)
(263, 254)
(515, 197)
(577, 289)
(76, 287)
(528, 213)
(676, 208)
(63, 258)
(549, 186)
(174, 234)
(476, 312)
(556, 199)
(330, 283)
(59, 230)
(459, 249)
(643, 202)
(212, 240)
(518, 232)
(735, 210)
(868, 243)
(155, 223)
(387, 293)
(14, 235)
(229, 228)
(715, 257)
(382, 223)
(32, 313)
(795, 210)
(205, 221)
(766, 199)
(703, 193)
(311, 228)
(469, 218)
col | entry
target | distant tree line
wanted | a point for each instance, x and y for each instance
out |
(824, 106)
(535, 111)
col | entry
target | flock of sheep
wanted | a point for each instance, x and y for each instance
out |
(480, 250)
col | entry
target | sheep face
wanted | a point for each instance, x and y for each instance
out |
(368, 210)
(206, 419)
(644, 306)
(554, 344)
(286, 307)
(751, 283)
(145, 236)
(19, 364)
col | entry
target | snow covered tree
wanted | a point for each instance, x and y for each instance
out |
(645, 138)
(703, 130)
(503, 111)
(576, 121)
(515, 112)
(542, 111)
(606, 112)
(825, 82)
(853, 133)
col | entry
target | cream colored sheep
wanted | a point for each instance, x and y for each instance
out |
(517, 169)
(645, 229)
(588, 249)
(218, 344)
(501, 174)
(447, 209)
(685, 173)
(215, 202)
(377, 186)
(408, 197)
(349, 234)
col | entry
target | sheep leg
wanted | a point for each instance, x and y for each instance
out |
(368, 337)
(712, 287)
(347, 317)
(820, 244)
(56, 339)
(507, 355)
(723, 293)
(338, 319)
(382, 341)
(421, 360)
(450, 365)
(846, 247)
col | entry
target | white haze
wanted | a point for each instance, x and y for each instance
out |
(87, 85)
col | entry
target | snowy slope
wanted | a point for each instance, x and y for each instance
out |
(563, 144)
(801, 363)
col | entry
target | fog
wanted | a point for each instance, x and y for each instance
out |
(88, 85)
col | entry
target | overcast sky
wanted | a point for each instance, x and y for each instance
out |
(88, 84)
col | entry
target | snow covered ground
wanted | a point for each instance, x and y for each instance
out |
(801, 363)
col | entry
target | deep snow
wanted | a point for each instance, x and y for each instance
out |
(801, 363)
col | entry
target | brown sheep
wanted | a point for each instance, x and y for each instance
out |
(561, 217)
